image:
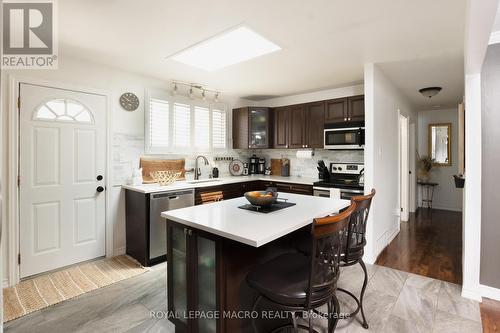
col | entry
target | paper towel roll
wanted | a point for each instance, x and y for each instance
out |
(305, 154)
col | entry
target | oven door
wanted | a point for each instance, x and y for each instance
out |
(321, 193)
(348, 194)
(344, 138)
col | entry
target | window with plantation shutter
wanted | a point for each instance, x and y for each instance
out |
(176, 124)
(182, 125)
(219, 129)
(201, 128)
(159, 123)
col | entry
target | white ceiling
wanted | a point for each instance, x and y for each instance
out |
(496, 25)
(325, 42)
(446, 72)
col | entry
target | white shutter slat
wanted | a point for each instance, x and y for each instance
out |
(219, 129)
(159, 125)
(182, 125)
(201, 128)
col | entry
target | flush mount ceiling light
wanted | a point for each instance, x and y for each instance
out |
(228, 48)
(430, 91)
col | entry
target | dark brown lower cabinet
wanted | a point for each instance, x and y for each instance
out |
(207, 290)
(210, 194)
(288, 187)
(193, 267)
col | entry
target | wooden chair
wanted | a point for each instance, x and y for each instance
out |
(299, 283)
(354, 246)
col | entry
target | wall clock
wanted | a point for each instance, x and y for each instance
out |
(129, 101)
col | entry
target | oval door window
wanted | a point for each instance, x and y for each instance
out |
(65, 110)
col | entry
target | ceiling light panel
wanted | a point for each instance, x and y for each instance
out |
(226, 49)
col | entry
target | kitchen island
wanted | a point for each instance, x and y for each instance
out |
(212, 247)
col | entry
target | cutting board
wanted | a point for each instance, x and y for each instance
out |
(276, 166)
(149, 165)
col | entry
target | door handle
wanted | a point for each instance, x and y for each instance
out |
(99, 189)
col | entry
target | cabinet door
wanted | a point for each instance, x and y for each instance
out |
(178, 276)
(206, 276)
(259, 127)
(281, 127)
(336, 110)
(240, 128)
(297, 127)
(315, 124)
(356, 108)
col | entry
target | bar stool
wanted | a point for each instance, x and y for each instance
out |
(296, 282)
(354, 246)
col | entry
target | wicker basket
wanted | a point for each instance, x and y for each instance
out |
(165, 177)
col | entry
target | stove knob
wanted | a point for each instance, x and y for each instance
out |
(340, 168)
(334, 168)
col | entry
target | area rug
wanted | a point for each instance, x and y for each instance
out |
(48, 289)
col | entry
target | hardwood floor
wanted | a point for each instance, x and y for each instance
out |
(430, 244)
(490, 315)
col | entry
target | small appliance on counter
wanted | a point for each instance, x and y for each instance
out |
(262, 166)
(253, 166)
(245, 168)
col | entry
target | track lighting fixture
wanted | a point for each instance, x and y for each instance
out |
(194, 88)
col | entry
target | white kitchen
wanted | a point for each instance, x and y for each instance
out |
(228, 167)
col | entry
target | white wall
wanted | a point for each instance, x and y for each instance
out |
(128, 125)
(382, 102)
(446, 195)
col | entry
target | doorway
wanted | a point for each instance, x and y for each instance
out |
(62, 165)
(404, 169)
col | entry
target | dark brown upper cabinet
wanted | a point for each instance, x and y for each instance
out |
(315, 124)
(345, 110)
(251, 128)
(336, 110)
(281, 115)
(299, 126)
(356, 108)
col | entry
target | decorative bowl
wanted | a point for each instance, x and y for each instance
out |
(165, 177)
(261, 198)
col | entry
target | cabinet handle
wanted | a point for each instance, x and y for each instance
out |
(190, 232)
(286, 146)
(345, 119)
(305, 145)
(349, 119)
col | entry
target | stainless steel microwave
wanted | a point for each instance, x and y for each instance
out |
(344, 138)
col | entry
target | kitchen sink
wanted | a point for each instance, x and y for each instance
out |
(203, 181)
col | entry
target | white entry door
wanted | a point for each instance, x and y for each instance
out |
(62, 170)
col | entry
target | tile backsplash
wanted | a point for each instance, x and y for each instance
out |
(307, 167)
(127, 149)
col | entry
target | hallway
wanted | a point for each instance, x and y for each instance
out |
(430, 244)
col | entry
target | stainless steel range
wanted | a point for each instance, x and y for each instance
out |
(347, 177)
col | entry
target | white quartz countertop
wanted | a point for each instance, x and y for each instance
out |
(181, 185)
(225, 219)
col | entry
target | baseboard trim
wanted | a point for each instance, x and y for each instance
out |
(451, 209)
(489, 292)
(472, 294)
(119, 251)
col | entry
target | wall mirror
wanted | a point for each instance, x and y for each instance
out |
(440, 144)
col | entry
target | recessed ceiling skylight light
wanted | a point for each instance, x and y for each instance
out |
(226, 49)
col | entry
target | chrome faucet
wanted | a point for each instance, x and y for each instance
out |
(197, 170)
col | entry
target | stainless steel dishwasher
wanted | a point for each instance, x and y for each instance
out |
(161, 202)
